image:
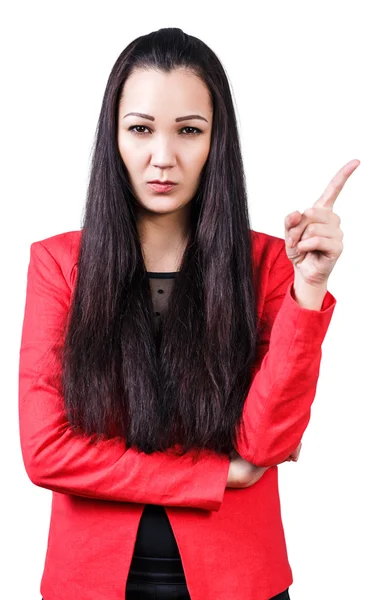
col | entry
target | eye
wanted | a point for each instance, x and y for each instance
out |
(196, 131)
(134, 128)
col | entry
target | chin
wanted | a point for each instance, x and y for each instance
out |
(164, 204)
(157, 210)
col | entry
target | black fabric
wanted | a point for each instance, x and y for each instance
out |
(155, 591)
(155, 536)
(156, 570)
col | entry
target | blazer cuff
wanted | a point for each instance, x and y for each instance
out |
(311, 325)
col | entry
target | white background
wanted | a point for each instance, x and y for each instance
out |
(306, 83)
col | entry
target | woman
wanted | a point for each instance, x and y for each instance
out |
(170, 354)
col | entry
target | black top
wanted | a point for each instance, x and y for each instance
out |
(155, 536)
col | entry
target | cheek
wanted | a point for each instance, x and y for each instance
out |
(123, 150)
(196, 160)
(128, 146)
(204, 154)
(130, 157)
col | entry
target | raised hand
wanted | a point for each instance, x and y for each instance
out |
(314, 238)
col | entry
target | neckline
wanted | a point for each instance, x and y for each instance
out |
(162, 275)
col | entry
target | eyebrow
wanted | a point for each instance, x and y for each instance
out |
(186, 118)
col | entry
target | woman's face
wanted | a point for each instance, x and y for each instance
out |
(153, 145)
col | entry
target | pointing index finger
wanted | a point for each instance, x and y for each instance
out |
(333, 189)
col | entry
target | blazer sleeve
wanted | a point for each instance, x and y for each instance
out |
(278, 405)
(58, 459)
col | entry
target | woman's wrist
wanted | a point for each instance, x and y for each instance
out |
(307, 295)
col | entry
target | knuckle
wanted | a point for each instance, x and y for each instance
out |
(310, 212)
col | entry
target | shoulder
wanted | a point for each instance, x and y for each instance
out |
(63, 248)
(273, 269)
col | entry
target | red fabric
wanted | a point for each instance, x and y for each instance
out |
(231, 541)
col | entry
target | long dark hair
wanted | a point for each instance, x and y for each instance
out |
(189, 391)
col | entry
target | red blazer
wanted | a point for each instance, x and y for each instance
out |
(231, 541)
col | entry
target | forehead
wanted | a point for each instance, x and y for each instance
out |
(152, 91)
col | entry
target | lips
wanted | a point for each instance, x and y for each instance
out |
(162, 187)
(166, 182)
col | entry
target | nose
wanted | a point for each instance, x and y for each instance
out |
(163, 154)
